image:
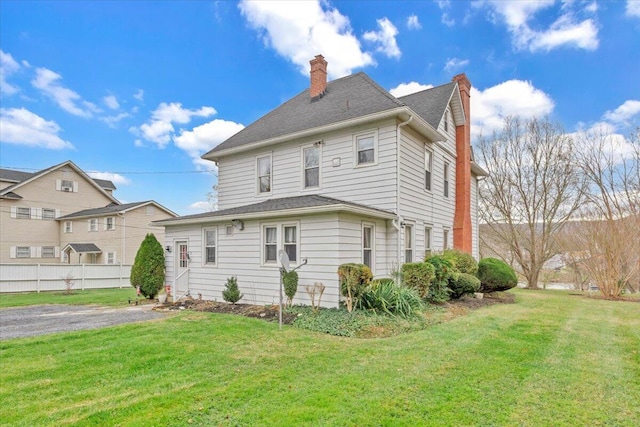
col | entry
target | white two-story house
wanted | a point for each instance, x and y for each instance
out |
(344, 172)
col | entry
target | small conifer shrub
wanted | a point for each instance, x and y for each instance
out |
(232, 292)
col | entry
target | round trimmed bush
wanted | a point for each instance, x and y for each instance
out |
(418, 276)
(462, 261)
(496, 275)
(463, 285)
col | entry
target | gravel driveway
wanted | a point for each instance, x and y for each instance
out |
(47, 319)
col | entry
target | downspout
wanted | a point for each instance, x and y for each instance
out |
(397, 223)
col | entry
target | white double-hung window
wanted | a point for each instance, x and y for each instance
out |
(291, 242)
(210, 240)
(264, 174)
(408, 243)
(270, 244)
(93, 224)
(365, 148)
(367, 245)
(428, 167)
(311, 159)
(446, 179)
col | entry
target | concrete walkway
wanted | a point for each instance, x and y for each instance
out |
(46, 319)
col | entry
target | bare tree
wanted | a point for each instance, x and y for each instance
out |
(533, 189)
(609, 235)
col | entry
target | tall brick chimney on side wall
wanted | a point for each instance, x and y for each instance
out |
(462, 231)
(318, 76)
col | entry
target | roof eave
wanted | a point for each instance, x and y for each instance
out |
(477, 170)
(338, 207)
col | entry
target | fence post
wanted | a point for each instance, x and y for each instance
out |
(82, 277)
(38, 279)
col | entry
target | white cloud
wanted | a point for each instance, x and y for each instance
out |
(174, 112)
(109, 176)
(623, 113)
(565, 31)
(407, 88)
(8, 66)
(22, 127)
(203, 138)
(413, 23)
(520, 98)
(603, 135)
(385, 37)
(160, 127)
(201, 207)
(633, 8)
(139, 95)
(455, 63)
(444, 6)
(48, 82)
(299, 31)
(111, 101)
(112, 120)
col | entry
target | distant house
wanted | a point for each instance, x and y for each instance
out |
(342, 172)
(61, 215)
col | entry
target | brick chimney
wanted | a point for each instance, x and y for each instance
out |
(318, 76)
(462, 231)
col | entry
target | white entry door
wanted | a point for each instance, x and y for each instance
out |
(181, 269)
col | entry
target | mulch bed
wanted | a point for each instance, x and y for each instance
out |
(270, 312)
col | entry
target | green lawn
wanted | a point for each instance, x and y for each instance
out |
(111, 297)
(551, 359)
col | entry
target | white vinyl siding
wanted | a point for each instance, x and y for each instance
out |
(210, 239)
(263, 174)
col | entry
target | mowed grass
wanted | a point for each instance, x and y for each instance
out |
(110, 297)
(551, 359)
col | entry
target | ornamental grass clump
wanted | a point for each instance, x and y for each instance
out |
(385, 296)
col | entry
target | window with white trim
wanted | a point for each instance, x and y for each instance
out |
(210, 245)
(446, 121)
(446, 179)
(110, 223)
(408, 243)
(48, 213)
(365, 147)
(445, 239)
(367, 245)
(290, 233)
(23, 252)
(311, 166)
(111, 257)
(93, 224)
(68, 226)
(270, 239)
(48, 252)
(264, 174)
(66, 185)
(428, 231)
(23, 213)
(428, 167)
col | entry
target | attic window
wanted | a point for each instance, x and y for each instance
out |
(446, 121)
(66, 185)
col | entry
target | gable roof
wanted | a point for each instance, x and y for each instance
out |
(83, 248)
(345, 99)
(22, 178)
(113, 209)
(312, 203)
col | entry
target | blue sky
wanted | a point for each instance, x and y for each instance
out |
(135, 92)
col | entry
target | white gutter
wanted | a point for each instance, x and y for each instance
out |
(275, 213)
(398, 198)
(421, 126)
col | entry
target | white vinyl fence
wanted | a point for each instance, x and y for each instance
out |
(54, 277)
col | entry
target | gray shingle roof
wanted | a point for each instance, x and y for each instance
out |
(345, 98)
(430, 103)
(83, 248)
(277, 205)
(112, 208)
